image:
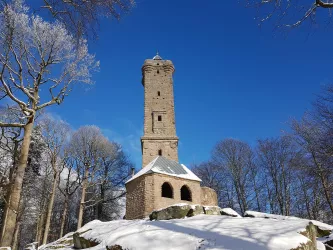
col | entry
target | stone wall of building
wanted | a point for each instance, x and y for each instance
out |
(176, 184)
(208, 197)
(135, 198)
(151, 149)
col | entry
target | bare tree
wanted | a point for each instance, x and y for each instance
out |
(290, 14)
(115, 170)
(86, 146)
(35, 55)
(10, 140)
(68, 185)
(54, 133)
(213, 176)
(310, 134)
(234, 157)
(276, 157)
(82, 16)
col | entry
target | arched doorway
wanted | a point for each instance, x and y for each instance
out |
(185, 193)
(167, 191)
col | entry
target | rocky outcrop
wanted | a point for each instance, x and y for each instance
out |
(229, 212)
(172, 212)
(212, 210)
(195, 210)
(114, 247)
(80, 242)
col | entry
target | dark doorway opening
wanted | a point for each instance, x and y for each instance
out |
(185, 193)
(167, 190)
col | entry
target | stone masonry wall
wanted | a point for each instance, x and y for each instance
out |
(135, 202)
(176, 183)
(159, 111)
(208, 197)
(150, 150)
(144, 194)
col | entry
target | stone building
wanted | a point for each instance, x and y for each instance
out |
(162, 181)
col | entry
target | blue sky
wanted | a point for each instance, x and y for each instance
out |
(232, 79)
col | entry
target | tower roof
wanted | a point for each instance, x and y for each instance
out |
(157, 57)
(166, 166)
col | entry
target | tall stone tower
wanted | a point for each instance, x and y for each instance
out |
(159, 111)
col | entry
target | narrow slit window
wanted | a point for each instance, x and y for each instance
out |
(158, 93)
(158, 71)
(159, 118)
(160, 152)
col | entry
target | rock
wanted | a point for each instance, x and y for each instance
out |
(172, 212)
(246, 214)
(229, 212)
(115, 247)
(311, 233)
(322, 232)
(195, 210)
(212, 210)
(81, 242)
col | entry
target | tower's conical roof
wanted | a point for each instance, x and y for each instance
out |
(157, 57)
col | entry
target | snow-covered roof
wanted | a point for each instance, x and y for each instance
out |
(157, 57)
(166, 166)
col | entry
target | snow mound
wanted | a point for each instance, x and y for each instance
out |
(202, 231)
(254, 214)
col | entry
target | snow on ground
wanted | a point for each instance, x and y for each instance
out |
(255, 214)
(204, 231)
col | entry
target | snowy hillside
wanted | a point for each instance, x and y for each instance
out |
(198, 232)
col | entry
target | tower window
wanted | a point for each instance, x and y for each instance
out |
(158, 93)
(160, 152)
(159, 118)
(158, 71)
(167, 190)
(185, 193)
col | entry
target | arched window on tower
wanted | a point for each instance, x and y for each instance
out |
(167, 190)
(185, 193)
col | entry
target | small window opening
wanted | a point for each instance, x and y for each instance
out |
(158, 71)
(167, 190)
(158, 93)
(159, 118)
(185, 193)
(160, 152)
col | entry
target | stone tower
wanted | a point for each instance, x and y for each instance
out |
(159, 111)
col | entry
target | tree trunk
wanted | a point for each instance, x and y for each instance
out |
(40, 228)
(83, 196)
(323, 182)
(9, 229)
(9, 190)
(50, 205)
(6, 209)
(63, 217)
(16, 234)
